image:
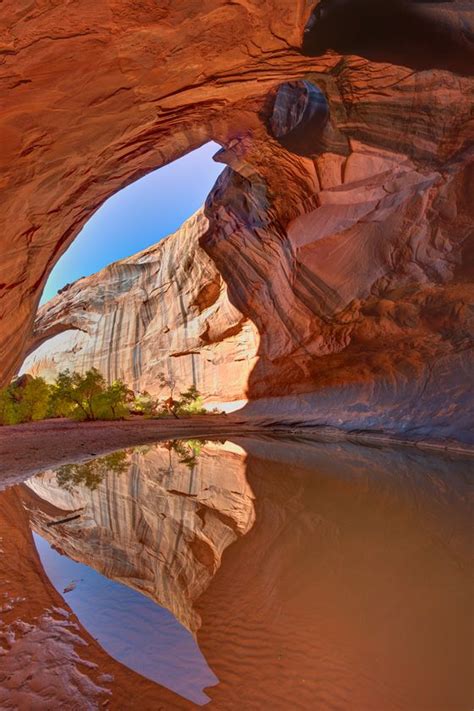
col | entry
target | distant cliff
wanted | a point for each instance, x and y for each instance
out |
(165, 309)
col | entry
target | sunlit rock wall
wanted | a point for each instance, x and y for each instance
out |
(164, 310)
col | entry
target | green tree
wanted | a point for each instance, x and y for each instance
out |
(190, 402)
(8, 412)
(26, 399)
(34, 399)
(168, 382)
(112, 404)
(145, 404)
(87, 397)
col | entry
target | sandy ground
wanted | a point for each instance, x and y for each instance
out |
(31, 448)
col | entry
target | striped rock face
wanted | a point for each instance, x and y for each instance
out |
(340, 233)
(164, 310)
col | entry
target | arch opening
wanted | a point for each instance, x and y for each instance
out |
(137, 217)
(161, 310)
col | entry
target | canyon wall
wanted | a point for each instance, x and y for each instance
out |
(343, 224)
(358, 263)
(164, 310)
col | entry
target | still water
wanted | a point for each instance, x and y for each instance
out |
(255, 574)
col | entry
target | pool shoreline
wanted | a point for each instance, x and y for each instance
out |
(31, 448)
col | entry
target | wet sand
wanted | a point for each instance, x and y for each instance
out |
(34, 447)
(31, 448)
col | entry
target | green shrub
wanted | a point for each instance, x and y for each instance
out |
(113, 404)
(190, 403)
(8, 412)
(33, 402)
(26, 399)
(144, 404)
(88, 397)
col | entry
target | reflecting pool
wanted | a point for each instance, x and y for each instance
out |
(248, 574)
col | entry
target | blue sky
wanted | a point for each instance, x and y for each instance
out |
(131, 627)
(138, 216)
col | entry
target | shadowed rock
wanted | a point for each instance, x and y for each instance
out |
(416, 33)
(300, 113)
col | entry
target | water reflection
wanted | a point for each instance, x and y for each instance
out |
(311, 575)
(91, 473)
(133, 629)
(158, 520)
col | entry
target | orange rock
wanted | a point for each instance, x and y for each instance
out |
(375, 206)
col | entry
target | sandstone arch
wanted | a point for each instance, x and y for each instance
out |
(354, 264)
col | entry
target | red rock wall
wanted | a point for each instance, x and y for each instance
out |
(348, 243)
(357, 271)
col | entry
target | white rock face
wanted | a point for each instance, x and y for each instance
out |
(165, 309)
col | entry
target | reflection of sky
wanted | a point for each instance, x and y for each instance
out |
(138, 216)
(130, 627)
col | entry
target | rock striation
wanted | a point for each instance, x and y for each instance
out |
(343, 224)
(358, 268)
(164, 310)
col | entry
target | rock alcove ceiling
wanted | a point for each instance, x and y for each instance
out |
(336, 246)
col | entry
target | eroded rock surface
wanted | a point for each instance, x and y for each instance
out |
(164, 310)
(358, 269)
(346, 241)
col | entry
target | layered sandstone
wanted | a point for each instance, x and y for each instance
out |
(363, 301)
(342, 226)
(164, 310)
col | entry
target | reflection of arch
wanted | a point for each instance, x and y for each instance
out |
(158, 525)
